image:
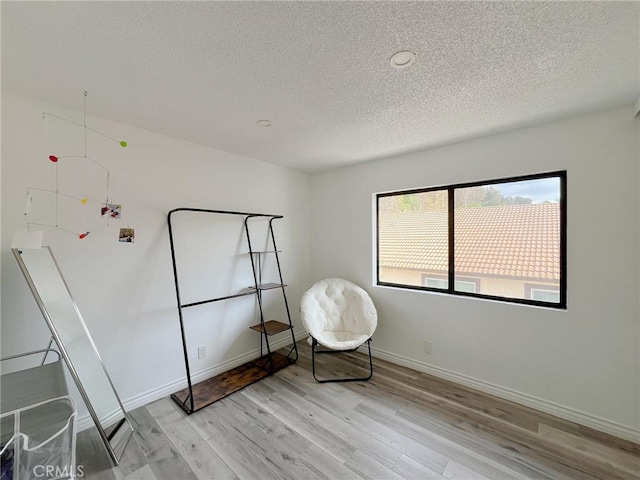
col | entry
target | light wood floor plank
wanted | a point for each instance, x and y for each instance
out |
(274, 441)
(291, 415)
(410, 469)
(143, 473)
(519, 446)
(394, 439)
(450, 448)
(367, 444)
(202, 459)
(613, 457)
(224, 440)
(133, 458)
(326, 466)
(96, 464)
(296, 377)
(92, 457)
(367, 467)
(455, 471)
(162, 456)
(383, 406)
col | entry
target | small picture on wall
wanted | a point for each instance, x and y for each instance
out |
(127, 235)
(110, 210)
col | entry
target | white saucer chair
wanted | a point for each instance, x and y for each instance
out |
(339, 316)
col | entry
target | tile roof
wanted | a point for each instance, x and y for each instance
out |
(520, 241)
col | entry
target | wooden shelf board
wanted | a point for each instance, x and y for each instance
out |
(272, 327)
(218, 387)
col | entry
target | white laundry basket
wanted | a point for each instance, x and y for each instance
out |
(37, 423)
(43, 442)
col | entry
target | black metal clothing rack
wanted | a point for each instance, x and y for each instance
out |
(197, 396)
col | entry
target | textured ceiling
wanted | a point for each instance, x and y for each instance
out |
(207, 71)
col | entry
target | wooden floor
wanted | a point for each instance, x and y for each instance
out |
(402, 424)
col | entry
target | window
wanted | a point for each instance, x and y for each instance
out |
(545, 295)
(542, 292)
(467, 285)
(435, 283)
(502, 239)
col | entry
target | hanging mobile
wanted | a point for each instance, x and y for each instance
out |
(109, 210)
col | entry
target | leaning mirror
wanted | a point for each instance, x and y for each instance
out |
(54, 299)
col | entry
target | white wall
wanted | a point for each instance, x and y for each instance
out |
(126, 291)
(582, 363)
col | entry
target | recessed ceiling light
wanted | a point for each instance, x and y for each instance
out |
(264, 123)
(402, 59)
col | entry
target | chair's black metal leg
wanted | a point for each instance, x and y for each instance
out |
(370, 361)
(314, 344)
(313, 358)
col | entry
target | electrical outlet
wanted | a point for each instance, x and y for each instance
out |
(427, 347)
(202, 351)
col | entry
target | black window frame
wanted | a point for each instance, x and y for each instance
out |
(561, 174)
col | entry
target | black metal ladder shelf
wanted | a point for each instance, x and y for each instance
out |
(197, 396)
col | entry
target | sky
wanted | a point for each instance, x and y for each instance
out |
(541, 190)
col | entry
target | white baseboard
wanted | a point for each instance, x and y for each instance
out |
(546, 406)
(85, 421)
